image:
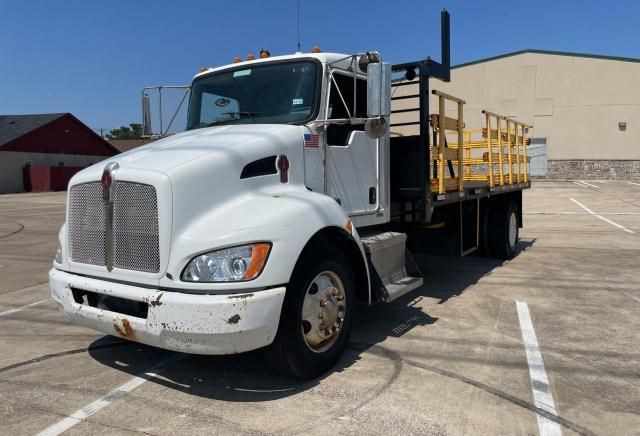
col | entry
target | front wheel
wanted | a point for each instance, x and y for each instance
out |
(316, 315)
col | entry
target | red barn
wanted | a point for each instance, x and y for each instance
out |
(42, 152)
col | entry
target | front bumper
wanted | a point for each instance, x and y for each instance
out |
(199, 324)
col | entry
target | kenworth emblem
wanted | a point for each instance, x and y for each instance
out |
(107, 181)
(108, 189)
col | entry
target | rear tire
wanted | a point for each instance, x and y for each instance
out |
(316, 315)
(503, 230)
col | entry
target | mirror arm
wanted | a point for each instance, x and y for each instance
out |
(177, 110)
(340, 94)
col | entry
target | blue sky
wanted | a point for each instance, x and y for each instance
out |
(92, 58)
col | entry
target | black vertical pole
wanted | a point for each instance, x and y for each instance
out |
(423, 90)
(445, 44)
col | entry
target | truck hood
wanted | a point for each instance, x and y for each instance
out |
(171, 152)
(197, 175)
(176, 150)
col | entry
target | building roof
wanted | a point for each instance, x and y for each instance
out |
(15, 126)
(128, 144)
(60, 133)
(548, 52)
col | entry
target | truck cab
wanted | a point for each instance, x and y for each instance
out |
(241, 232)
(325, 96)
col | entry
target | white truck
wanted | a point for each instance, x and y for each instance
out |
(287, 200)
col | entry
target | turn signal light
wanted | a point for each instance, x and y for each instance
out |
(258, 259)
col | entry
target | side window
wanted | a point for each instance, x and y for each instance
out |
(217, 108)
(338, 134)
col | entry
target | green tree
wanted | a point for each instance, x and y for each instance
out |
(133, 131)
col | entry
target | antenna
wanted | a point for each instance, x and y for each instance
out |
(298, 1)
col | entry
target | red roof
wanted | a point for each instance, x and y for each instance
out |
(51, 134)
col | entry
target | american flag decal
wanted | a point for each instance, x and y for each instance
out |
(310, 140)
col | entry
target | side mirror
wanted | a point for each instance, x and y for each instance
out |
(375, 127)
(378, 90)
(146, 115)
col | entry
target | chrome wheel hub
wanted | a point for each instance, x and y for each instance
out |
(323, 311)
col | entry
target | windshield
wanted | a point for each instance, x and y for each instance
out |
(279, 93)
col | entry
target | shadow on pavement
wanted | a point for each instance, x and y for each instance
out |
(248, 377)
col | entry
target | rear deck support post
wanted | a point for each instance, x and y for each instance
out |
(500, 158)
(509, 152)
(441, 140)
(460, 148)
(518, 177)
(468, 153)
(524, 155)
(489, 150)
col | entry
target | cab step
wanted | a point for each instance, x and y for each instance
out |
(391, 266)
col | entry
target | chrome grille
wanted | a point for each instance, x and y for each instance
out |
(87, 233)
(135, 226)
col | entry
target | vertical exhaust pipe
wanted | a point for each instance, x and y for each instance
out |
(445, 42)
(146, 115)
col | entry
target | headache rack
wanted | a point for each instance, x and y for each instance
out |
(428, 167)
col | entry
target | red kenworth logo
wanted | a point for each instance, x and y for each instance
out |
(106, 184)
(107, 180)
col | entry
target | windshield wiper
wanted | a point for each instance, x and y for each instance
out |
(238, 116)
(242, 114)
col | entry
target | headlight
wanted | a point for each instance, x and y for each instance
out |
(58, 258)
(234, 264)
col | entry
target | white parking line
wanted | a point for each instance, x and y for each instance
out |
(80, 415)
(18, 309)
(589, 184)
(580, 184)
(579, 213)
(631, 183)
(539, 381)
(46, 213)
(600, 216)
(28, 208)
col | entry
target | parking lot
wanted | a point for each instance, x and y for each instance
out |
(448, 358)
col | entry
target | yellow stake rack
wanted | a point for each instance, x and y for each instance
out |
(499, 136)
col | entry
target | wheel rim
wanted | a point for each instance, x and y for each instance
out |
(323, 311)
(513, 230)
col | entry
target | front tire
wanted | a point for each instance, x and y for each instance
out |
(316, 315)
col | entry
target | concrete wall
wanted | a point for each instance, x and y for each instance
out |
(575, 102)
(11, 164)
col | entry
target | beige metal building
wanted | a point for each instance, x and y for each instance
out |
(584, 109)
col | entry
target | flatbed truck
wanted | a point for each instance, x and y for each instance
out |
(295, 192)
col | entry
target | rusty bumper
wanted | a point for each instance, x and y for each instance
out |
(199, 324)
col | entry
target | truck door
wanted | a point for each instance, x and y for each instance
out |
(352, 173)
